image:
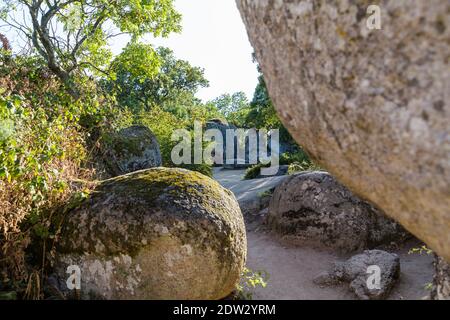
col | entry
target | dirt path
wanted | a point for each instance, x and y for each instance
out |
(292, 269)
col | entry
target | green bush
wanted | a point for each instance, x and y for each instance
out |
(300, 156)
(40, 157)
(254, 171)
(163, 124)
(249, 281)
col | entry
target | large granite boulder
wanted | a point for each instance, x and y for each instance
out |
(154, 234)
(312, 208)
(370, 106)
(131, 149)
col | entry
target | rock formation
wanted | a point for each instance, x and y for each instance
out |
(155, 234)
(312, 208)
(370, 106)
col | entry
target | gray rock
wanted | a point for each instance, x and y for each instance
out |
(356, 272)
(370, 106)
(441, 280)
(158, 233)
(133, 148)
(312, 208)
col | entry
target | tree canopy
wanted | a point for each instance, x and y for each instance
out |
(72, 35)
(172, 87)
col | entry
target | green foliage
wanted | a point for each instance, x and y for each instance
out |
(172, 88)
(228, 104)
(72, 36)
(254, 171)
(421, 250)
(299, 156)
(30, 142)
(297, 161)
(147, 67)
(249, 281)
(42, 147)
(259, 113)
(203, 168)
(162, 124)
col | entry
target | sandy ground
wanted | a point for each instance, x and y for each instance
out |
(291, 269)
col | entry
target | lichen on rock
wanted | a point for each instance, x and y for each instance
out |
(155, 234)
(131, 149)
(312, 208)
(370, 106)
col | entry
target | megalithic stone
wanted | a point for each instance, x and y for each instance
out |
(369, 105)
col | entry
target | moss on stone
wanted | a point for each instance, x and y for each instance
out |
(182, 195)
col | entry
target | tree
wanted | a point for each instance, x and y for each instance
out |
(173, 87)
(72, 35)
(228, 104)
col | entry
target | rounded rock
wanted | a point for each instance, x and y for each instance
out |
(312, 208)
(155, 234)
(132, 149)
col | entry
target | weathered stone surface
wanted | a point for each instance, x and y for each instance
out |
(312, 208)
(155, 234)
(133, 148)
(441, 280)
(356, 272)
(370, 106)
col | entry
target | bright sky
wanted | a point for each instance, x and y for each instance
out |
(214, 38)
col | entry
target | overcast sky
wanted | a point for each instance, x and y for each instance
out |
(214, 38)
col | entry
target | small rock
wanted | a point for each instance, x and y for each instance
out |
(357, 272)
(325, 279)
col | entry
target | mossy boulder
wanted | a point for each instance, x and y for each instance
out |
(131, 149)
(155, 234)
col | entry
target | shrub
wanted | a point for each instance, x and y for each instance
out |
(249, 281)
(40, 157)
(254, 171)
(300, 156)
(162, 124)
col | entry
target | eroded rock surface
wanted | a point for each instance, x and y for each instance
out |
(312, 208)
(155, 234)
(441, 280)
(359, 272)
(370, 106)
